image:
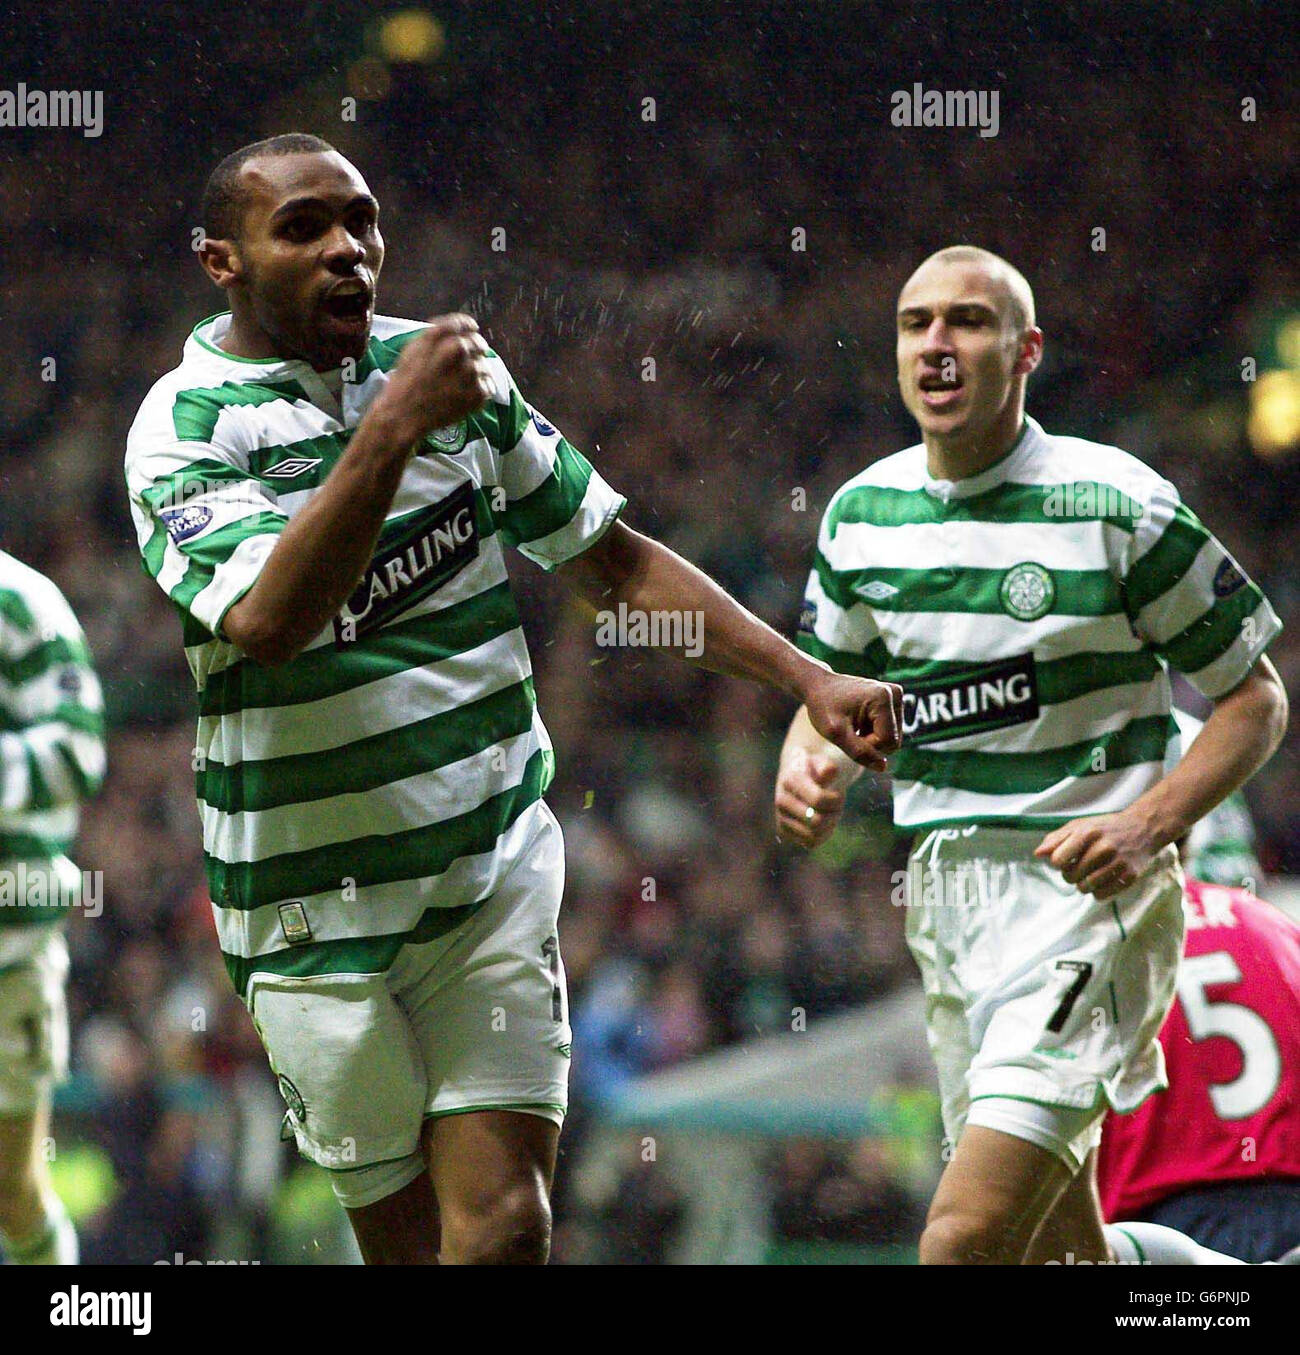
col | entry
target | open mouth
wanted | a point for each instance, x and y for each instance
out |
(348, 302)
(938, 391)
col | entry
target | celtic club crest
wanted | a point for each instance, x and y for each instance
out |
(1027, 592)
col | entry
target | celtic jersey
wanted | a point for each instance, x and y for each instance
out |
(1031, 613)
(51, 746)
(367, 792)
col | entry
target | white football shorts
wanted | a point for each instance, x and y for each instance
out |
(474, 1020)
(1042, 1003)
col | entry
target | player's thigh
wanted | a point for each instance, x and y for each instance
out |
(1069, 1136)
(491, 1163)
(401, 1228)
(21, 1163)
(992, 1197)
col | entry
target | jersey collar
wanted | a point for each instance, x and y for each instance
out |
(1001, 470)
(203, 345)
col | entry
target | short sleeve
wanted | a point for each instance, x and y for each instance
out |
(205, 525)
(1190, 600)
(553, 505)
(835, 626)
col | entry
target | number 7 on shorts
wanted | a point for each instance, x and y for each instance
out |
(1082, 971)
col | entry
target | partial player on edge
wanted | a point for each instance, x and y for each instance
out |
(51, 761)
(1217, 1155)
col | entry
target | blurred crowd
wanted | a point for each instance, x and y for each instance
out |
(632, 231)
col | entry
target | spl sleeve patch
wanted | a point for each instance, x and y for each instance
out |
(1228, 578)
(183, 523)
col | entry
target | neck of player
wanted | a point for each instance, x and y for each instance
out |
(247, 339)
(965, 453)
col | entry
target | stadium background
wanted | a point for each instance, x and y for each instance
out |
(625, 239)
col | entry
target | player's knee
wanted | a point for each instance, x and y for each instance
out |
(512, 1229)
(956, 1238)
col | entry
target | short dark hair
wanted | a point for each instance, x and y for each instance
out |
(223, 197)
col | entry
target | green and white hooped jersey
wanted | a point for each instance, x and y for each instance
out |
(394, 769)
(1032, 613)
(51, 746)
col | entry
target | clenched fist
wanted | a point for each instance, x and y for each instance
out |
(1103, 854)
(808, 800)
(441, 378)
(864, 719)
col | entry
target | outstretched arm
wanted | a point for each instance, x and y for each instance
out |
(861, 717)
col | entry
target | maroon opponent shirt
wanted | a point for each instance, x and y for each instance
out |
(1232, 1046)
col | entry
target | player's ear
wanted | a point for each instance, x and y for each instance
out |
(221, 261)
(1031, 351)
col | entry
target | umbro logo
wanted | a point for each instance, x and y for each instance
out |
(875, 591)
(291, 466)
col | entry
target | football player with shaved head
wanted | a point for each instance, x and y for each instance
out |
(1030, 591)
